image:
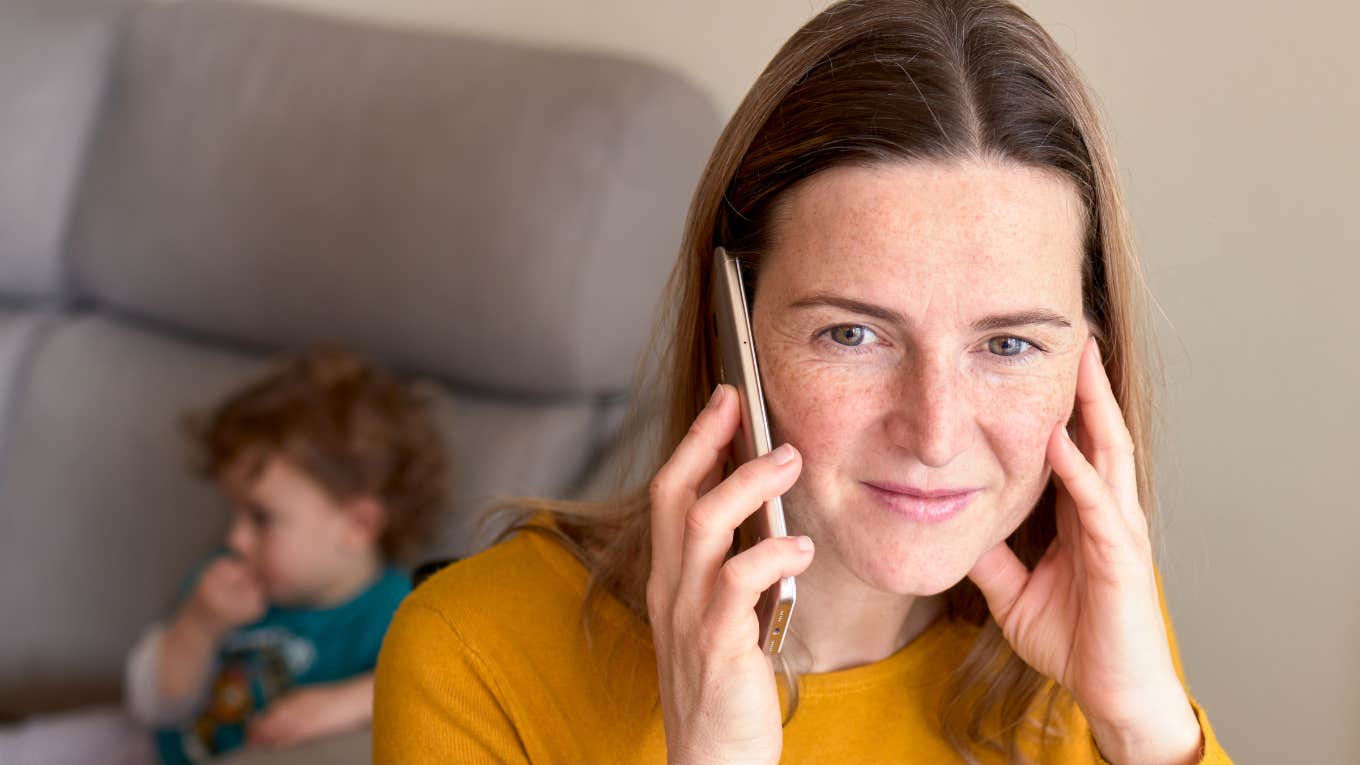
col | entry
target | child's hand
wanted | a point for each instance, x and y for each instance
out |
(313, 712)
(228, 595)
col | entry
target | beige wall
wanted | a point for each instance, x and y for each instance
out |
(1235, 125)
(720, 44)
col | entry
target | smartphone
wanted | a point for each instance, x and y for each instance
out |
(736, 354)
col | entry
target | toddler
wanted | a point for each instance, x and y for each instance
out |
(332, 470)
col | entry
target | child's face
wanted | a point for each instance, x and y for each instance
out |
(306, 548)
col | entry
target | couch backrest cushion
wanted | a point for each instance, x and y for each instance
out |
(19, 330)
(101, 517)
(53, 65)
(498, 215)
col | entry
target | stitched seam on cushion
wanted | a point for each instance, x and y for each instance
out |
(35, 336)
(71, 291)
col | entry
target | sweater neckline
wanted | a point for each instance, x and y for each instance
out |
(913, 657)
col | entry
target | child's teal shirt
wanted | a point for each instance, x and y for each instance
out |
(288, 647)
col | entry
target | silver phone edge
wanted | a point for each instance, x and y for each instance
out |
(774, 619)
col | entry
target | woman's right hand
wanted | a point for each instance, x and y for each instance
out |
(718, 693)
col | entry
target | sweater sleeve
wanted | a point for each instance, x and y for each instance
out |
(1213, 752)
(435, 699)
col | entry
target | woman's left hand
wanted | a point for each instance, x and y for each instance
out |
(1089, 616)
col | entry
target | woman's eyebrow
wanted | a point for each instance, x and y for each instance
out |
(1030, 317)
(851, 305)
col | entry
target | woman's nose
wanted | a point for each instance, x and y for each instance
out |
(931, 414)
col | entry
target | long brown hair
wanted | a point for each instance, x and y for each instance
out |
(868, 82)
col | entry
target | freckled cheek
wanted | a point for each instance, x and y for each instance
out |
(821, 410)
(1021, 420)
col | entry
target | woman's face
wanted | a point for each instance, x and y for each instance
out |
(884, 362)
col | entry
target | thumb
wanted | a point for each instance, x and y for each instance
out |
(1001, 577)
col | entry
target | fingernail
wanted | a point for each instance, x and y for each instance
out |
(805, 543)
(783, 455)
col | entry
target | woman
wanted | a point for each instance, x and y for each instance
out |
(943, 288)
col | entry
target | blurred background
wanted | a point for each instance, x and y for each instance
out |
(1235, 127)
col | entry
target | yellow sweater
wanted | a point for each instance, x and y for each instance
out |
(487, 662)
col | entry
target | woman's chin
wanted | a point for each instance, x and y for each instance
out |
(906, 575)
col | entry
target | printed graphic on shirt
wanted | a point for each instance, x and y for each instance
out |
(257, 668)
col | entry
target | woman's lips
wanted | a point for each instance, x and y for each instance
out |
(926, 507)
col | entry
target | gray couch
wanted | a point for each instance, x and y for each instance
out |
(187, 189)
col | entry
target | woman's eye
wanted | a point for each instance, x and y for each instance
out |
(1008, 346)
(852, 335)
